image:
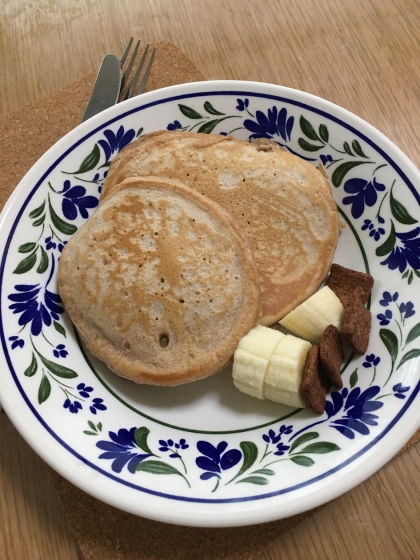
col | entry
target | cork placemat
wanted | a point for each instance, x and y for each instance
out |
(103, 532)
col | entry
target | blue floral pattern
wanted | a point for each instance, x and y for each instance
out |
(386, 227)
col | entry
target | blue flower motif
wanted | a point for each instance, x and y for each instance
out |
(271, 437)
(97, 405)
(362, 192)
(214, 460)
(174, 126)
(359, 407)
(74, 407)
(49, 243)
(388, 298)
(116, 142)
(406, 254)
(273, 124)
(384, 319)
(16, 342)
(325, 159)
(61, 246)
(242, 104)
(371, 360)
(407, 309)
(399, 391)
(33, 311)
(375, 233)
(84, 390)
(75, 198)
(170, 444)
(281, 449)
(60, 351)
(123, 450)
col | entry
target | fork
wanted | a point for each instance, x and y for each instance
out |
(130, 88)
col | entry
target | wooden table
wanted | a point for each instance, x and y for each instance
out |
(363, 55)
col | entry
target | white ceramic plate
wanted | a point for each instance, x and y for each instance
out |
(203, 453)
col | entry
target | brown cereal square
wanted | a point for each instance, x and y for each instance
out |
(331, 354)
(356, 326)
(315, 384)
(344, 281)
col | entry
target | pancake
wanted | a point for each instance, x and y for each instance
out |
(160, 284)
(282, 203)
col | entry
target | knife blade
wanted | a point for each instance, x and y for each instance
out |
(106, 89)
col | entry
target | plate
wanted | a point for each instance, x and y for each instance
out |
(204, 454)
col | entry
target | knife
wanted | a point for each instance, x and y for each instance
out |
(107, 87)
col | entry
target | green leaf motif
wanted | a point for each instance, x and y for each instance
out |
(391, 343)
(209, 126)
(92, 425)
(307, 129)
(27, 247)
(267, 472)
(323, 132)
(189, 113)
(59, 328)
(260, 480)
(140, 437)
(210, 109)
(357, 148)
(410, 277)
(26, 264)
(157, 467)
(32, 368)
(303, 439)
(139, 132)
(57, 369)
(90, 161)
(87, 432)
(347, 149)
(307, 146)
(250, 452)
(413, 334)
(100, 426)
(353, 379)
(38, 211)
(61, 225)
(39, 222)
(43, 264)
(320, 447)
(302, 461)
(405, 274)
(341, 171)
(414, 353)
(44, 390)
(388, 244)
(400, 212)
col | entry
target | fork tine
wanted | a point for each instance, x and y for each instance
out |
(125, 53)
(136, 74)
(130, 65)
(146, 73)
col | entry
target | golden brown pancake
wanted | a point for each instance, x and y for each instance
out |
(160, 283)
(282, 203)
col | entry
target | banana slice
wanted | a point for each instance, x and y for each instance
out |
(284, 372)
(251, 359)
(313, 316)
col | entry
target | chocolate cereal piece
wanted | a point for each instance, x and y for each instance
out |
(315, 384)
(356, 326)
(331, 354)
(344, 281)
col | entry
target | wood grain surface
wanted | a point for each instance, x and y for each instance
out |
(363, 55)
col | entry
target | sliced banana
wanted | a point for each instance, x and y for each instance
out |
(313, 316)
(251, 359)
(284, 372)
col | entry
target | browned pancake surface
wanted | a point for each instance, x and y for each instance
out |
(282, 203)
(160, 284)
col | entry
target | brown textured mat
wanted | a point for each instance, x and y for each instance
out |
(103, 532)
